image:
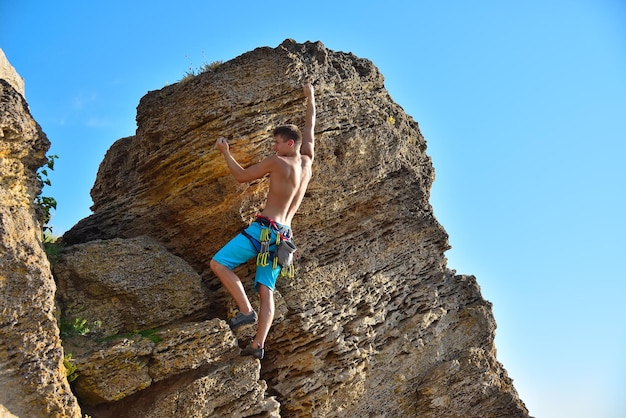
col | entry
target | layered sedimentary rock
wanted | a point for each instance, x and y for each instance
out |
(32, 375)
(132, 315)
(374, 324)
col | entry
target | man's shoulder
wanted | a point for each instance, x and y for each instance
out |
(301, 160)
(306, 160)
(293, 159)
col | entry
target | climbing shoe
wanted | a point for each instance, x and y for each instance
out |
(257, 352)
(243, 319)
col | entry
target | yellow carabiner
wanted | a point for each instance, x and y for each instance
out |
(287, 271)
(261, 259)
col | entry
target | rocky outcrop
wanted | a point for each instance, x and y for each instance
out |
(8, 74)
(132, 323)
(375, 324)
(32, 375)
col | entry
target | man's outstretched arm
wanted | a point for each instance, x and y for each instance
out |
(308, 139)
(255, 171)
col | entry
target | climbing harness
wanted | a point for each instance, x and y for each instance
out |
(285, 248)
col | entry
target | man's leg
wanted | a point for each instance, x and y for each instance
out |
(266, 315)
(233, 284)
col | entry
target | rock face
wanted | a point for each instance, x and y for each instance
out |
(374, 324)
(32, 375)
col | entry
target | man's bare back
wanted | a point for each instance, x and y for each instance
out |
(288, 183)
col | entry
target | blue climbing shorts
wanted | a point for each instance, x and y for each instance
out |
(239, 250)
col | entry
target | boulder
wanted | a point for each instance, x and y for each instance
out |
(123, 285)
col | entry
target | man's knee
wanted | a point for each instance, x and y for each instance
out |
(265, 293)
(215, 266)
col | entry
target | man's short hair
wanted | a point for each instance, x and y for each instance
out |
(289, 132)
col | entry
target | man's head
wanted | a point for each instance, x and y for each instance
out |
(287, 133)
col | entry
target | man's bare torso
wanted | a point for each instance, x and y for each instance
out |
(288, 183)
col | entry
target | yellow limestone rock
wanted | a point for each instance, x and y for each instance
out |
(375, 324)
(32, 375)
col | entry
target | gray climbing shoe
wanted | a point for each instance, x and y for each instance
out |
(243, 319)
(257, 352)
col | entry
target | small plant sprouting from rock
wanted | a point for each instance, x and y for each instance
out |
(52, 247)
(70, 367)
(77, 327)
(46, 203)
(150, 334)
(211, 66)
(192, 72)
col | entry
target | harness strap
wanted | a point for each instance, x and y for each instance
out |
(255, 242)
(269, 222)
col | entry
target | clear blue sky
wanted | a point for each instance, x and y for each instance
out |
(522, 104)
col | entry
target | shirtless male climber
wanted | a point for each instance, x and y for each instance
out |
(290, 173)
